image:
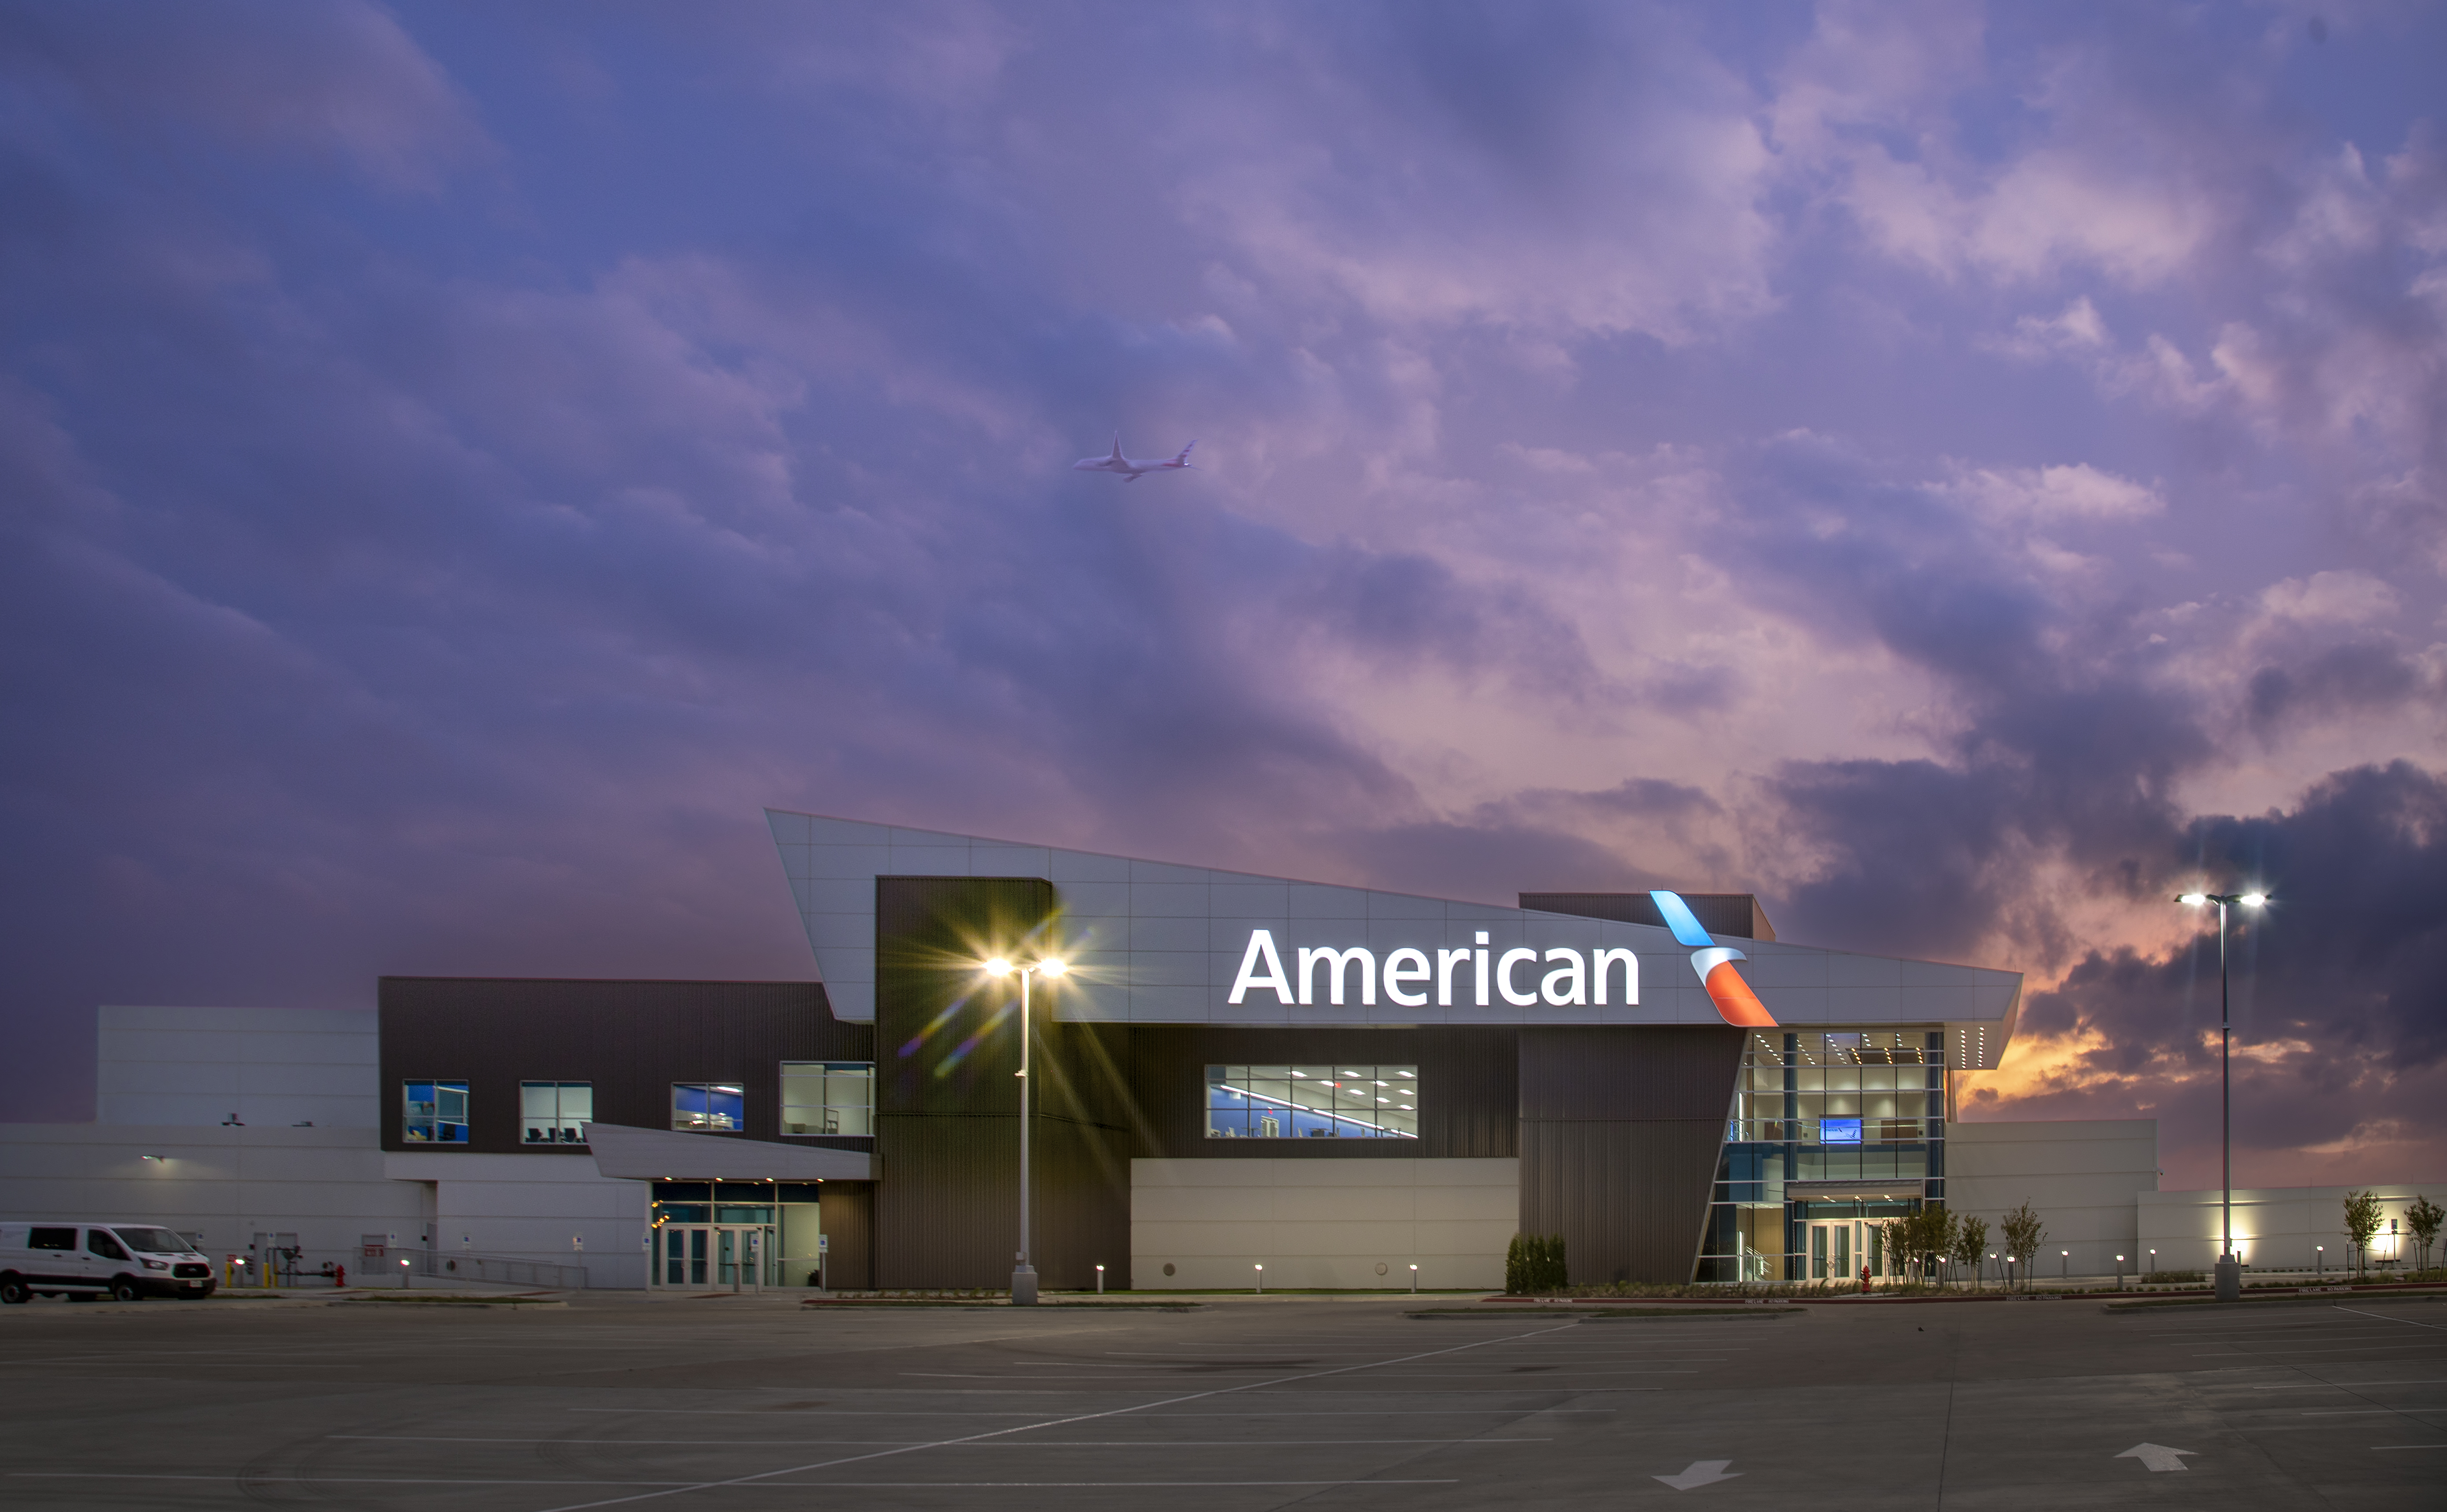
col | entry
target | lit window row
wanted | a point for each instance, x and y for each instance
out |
(818, 1098)
(1336, 1100)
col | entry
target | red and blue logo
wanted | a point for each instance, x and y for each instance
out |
(1735, 1002)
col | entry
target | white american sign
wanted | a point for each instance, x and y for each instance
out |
(1558, 977)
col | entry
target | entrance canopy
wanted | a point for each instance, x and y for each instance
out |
(653, 1154)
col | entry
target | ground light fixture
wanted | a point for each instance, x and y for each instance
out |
(1100, 1281)
(1415, 1280)
(1262, 1277)
(1023, 1275)
(2065, 1263)
(2229, 1269)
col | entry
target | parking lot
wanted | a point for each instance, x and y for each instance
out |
(750, 1403)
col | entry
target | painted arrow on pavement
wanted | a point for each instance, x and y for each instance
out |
(2158, 1456)
(1708, 1473)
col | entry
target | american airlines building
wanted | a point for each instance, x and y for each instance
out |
(1338, 1084)
(1232, 1071)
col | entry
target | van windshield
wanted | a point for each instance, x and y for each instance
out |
(154, 1240)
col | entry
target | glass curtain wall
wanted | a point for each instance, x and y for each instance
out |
(1823, 1105)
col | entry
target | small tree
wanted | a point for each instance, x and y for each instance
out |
(2363, 1218)
(1921, 1239)
(2024, 1234)
(2422, 1218)
(1970, 1242)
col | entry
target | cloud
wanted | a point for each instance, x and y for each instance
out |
(340, 80)
(2057, 494)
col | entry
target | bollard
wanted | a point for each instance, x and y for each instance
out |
(1100, 1281)
(1414, 1274)
(1262, 1277)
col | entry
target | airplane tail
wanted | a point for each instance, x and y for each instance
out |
(1117, 449)
(1183, 461)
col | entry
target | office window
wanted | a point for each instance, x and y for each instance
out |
(827, 1097)
(707, 1106)
(556, 1112)
(435, 1113)
(1338, 1100)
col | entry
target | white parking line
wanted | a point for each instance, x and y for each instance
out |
(2317, 1386)
(1014, 1444)
(1302, 1412)
(1086, 1417)
(671, 1487)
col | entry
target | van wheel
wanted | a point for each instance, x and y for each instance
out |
(124, 1290)
(13, 1291)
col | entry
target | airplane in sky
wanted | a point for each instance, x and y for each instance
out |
(1130, 467)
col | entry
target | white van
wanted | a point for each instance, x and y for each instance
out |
(83, 1261)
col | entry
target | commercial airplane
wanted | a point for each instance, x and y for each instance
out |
(1130, 467)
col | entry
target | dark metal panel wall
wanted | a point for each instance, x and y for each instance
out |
(631, 1039)
(1620, 1135)
(848, 1220)
(948, 1099)
(1467, 1083)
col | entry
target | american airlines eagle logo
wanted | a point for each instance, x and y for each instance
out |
(1736, 1003)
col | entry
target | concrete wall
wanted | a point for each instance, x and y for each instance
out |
(326, 1185)
(531, 1207)
(1322, 1223)
(2080, 1176)
(159, 1067)
(2278, 1227)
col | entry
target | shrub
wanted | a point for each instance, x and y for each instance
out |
(1534, 1264)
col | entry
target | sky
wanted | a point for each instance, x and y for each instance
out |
(1961, 474)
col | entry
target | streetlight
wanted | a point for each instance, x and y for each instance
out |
(2229, 1273)
(2064, 1264)
(1023, 1276)
(2321, 1251)
(2119, 1273)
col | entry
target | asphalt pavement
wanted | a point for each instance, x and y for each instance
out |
(751, 1402)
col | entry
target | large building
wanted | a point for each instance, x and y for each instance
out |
(1236, 1070)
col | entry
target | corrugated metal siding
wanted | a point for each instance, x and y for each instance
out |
(849, 1234)
(631, 1039)
(948, 1101)
(1620, 1136)
(1725, 915)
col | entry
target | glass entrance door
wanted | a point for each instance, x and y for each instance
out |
(1831, 1251)
(712, 1255)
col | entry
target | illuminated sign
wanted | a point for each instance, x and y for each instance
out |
(1839, 1131)
(1557, 978)
(1561, 978)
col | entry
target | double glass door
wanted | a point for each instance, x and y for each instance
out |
(712, 1255)
(1841, 1251)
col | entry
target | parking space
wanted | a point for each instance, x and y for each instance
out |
(1242, 1404)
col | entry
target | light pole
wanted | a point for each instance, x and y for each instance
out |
(2230, 1273)
(1023, 1275)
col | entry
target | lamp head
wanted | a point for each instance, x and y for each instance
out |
(1051, 966)
(2253, 899)
(2192, 899)
(997, 967)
